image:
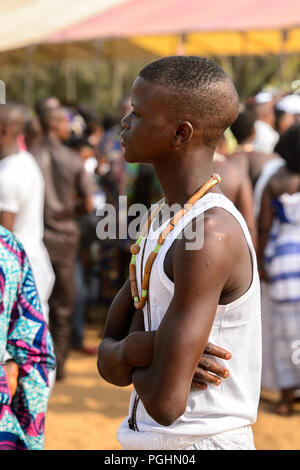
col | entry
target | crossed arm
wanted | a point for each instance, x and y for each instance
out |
(168, 359)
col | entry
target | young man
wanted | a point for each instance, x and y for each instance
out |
(181, 107)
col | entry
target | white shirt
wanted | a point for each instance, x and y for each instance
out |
(98, 198)
(265, 137)
(90, 165)
(237, 328)
(22, 192)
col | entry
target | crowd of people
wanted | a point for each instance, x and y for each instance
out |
(59, 166)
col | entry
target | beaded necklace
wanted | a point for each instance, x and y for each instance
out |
(135, 248)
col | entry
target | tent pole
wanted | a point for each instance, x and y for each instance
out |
(282, 57)
(28, 77)
(181, 47)
(70, 82)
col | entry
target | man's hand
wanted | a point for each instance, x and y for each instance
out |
(12, 372)
(206, 365)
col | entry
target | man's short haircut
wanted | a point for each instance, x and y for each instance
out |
(42, 105)
(13, 115)
(288, 147)
(200, 88)
(243, 127)
(47, 116)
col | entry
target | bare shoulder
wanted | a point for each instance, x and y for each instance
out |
(212, 269)
(222, 230)
(220, 235)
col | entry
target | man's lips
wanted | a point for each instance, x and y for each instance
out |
(123, 141)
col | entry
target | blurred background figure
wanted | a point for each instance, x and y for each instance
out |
(287, 112)
(87, 274)
(46, 104)
(24, 383)
(22, 194)
(68, 189)
(32, 130)
(236, 185)
(95, 128)
(110, 147)
(265, 135)
(279, 257)
(245, 156)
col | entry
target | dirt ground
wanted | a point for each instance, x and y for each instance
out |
(85, 412)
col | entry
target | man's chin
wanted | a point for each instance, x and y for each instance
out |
(129, 157)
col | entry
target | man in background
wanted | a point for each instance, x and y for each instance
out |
(265, 135)
(22, 195)
(245, 156)
(68, 190)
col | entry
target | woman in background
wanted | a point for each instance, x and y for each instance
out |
(279, 256)
(24, 389)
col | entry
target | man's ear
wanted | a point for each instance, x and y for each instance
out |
(183, 132)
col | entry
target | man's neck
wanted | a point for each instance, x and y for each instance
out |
(181, 177)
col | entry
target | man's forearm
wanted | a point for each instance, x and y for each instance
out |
(118, 359)
(111, 364)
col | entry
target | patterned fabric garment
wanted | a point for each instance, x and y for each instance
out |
(24, 334)
(282, 263)
(282, 254)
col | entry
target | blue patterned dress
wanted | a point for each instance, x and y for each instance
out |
(282, 264)
(24, 334)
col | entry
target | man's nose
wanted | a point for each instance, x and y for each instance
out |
(125, 121)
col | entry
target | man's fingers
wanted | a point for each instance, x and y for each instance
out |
(208, 364)
(204, 376)
(214, 350)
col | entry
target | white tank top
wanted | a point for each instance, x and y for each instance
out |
(237, 328)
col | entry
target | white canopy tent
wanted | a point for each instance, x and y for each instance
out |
(32, 21)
